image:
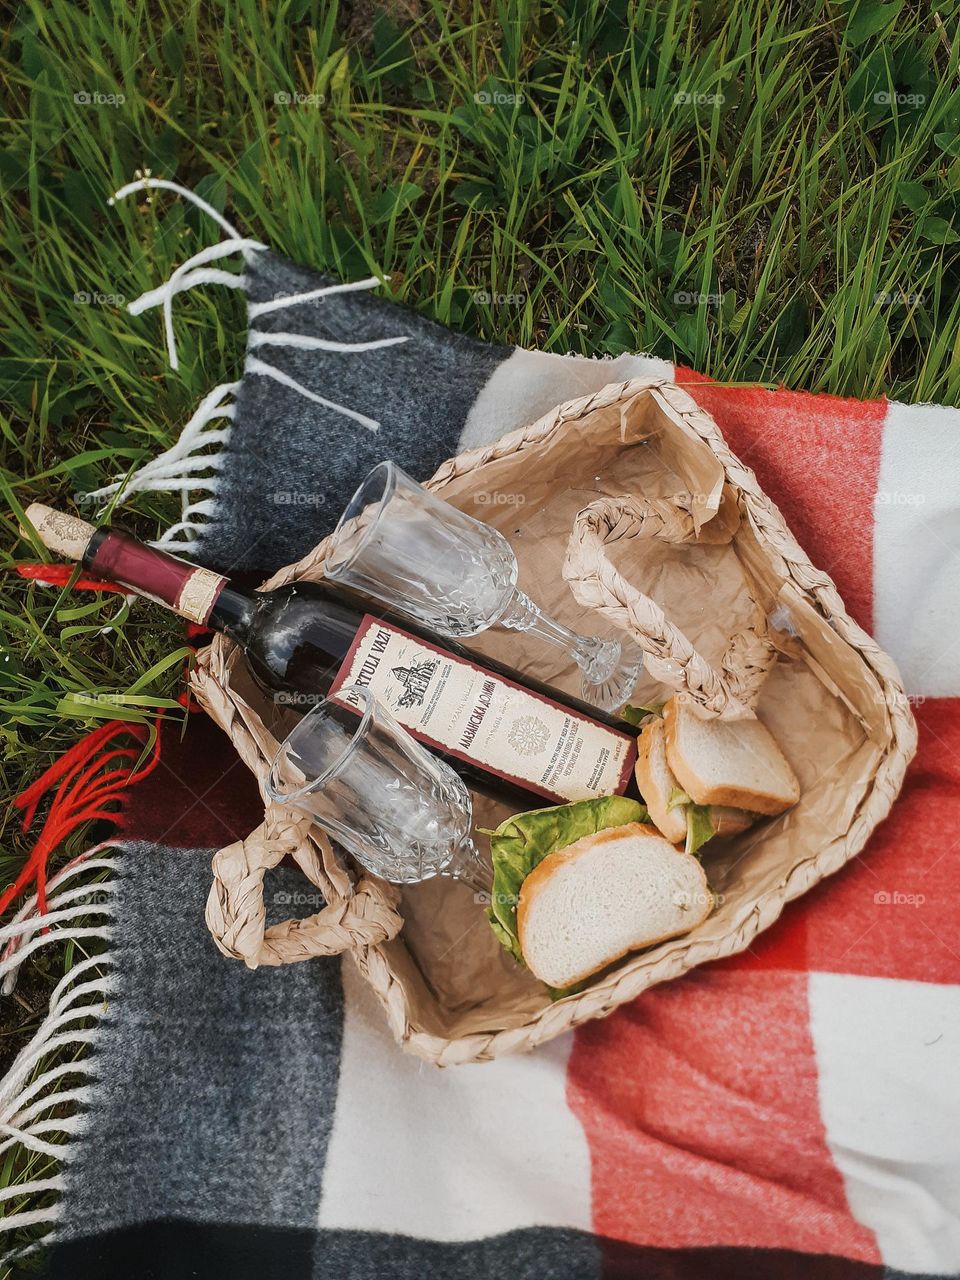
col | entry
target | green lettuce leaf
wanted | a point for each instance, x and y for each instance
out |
(502, 935)
(523, 841)
(700, 826)
(637, 715)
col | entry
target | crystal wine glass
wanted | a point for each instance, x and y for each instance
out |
(401, 812)
(403, 545)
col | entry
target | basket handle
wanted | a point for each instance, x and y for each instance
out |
(236, 915)
(670, 657)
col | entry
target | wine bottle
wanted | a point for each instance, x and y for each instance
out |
(507, 734)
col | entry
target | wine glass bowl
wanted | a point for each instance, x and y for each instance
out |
(399, 543)
(402, 813)
(403, 545)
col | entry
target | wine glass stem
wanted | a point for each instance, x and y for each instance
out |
(468, 866)
(595, 657)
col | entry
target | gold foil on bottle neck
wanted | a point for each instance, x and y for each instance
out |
(198, 594)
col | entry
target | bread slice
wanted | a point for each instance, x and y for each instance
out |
(730, 822)
(657, 783)
(587, 905)
(728, 762)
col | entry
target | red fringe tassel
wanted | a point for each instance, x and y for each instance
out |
(83, 792)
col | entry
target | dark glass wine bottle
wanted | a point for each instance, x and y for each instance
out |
(507, 734)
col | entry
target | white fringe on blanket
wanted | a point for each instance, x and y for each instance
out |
(38, 1080)
(187, 467)
(48, 1072)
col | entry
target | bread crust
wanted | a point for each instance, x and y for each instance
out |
(540, 875)
(672, 822)
(729, 797)
(729, 822)
(726, 822)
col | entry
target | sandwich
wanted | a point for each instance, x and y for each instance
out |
(671, 808)
(617, 891)
(703, 777)
(577, 886)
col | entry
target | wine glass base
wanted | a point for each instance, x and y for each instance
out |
(613, 689)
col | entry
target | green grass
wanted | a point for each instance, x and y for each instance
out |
(794, 168)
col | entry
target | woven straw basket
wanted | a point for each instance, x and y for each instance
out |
(627, 511)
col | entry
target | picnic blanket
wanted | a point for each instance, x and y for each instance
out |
(792, 1111)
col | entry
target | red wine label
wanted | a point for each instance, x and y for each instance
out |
(475, 715)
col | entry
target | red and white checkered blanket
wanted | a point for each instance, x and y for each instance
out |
(805, 1095)
(792, 1111)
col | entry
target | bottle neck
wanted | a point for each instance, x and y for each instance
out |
(233, 612)
(201, 596)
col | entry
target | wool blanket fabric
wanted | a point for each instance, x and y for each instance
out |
(792, 1111)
